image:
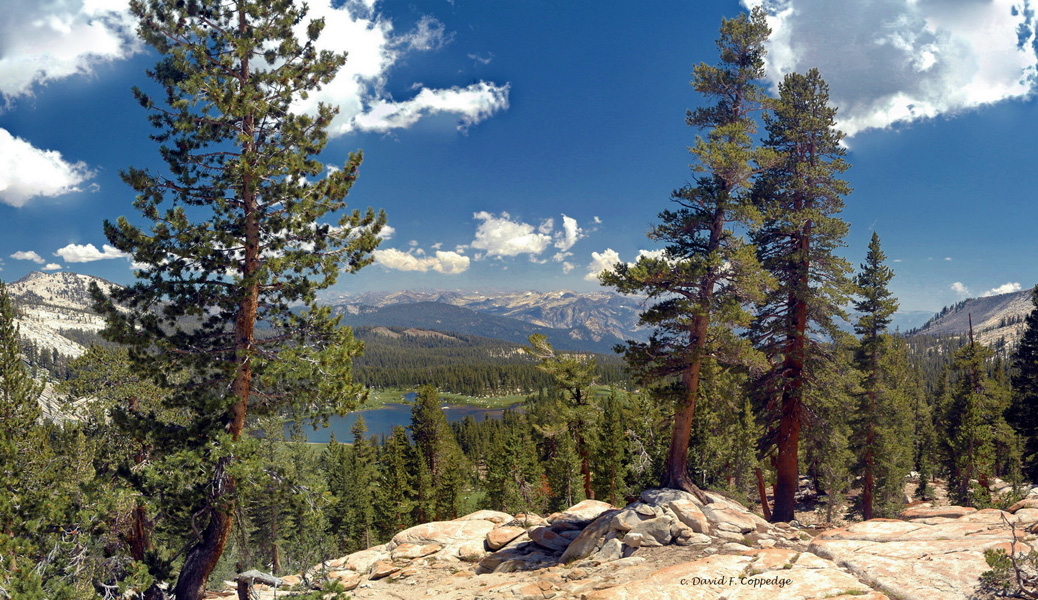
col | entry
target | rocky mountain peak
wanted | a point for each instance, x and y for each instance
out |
(68, 290)
(53, 304)
(994, 318)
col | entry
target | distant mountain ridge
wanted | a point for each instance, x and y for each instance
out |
(994, 318)
(597, 316)
(440, 316)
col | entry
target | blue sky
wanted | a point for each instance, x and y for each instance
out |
(525, 144)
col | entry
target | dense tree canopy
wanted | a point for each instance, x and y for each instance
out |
(800, 196)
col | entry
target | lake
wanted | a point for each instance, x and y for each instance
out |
(380, 421)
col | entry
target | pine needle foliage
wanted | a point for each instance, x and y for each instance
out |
(800, 197)
(706, 276)
(245, 224)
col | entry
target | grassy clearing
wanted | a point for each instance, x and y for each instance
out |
(381, 397)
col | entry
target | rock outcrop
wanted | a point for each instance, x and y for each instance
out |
(669, 545)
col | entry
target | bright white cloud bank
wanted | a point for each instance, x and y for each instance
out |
(601, 262)
(960, 289)
(359, 89)
(30, 255)
(45, 41)
(500, 236)
(76, 253)
(1005, 288)
(896, 61)
(446, 262)
(608, 259)
(27, 172)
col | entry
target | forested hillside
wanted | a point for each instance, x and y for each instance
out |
(395, 357)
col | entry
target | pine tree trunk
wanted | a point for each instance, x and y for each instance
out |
(585, 469)
(868, 487)
(787, 477)
(765, 507)
(675, 474)
(205, 553)
(676, 471)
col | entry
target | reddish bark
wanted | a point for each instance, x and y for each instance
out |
(765, 507)
(787, 477)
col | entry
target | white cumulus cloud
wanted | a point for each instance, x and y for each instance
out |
(51, 267)
(471, 104)
(897, 61)
(428, 34)
(1005, 288)
(446, 262)
(571, 232)
(359, 89)
(77, 253)
(607, 260)
(500, 236)
(27, 172)
(30, 255)
(46, 41)
(600, 262)
(959, 288)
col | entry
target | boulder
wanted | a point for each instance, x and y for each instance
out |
(611, 550)
(499, 537)
(360, 562)
(579, 515)
(664, 496)
(924, 511)
(1026, 516)
(744, 522)
(525, 556)
(692, 539)
(382, 568)
(472, 551)
(548, 538)
(412, 551)
(349, 579)
(442, 533)
(494, 516)
(591, 538)
(628, 517)
(689, 513)
(527, 520)
(1025, 503)
(654, 532)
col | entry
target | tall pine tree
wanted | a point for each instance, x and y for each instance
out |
(572, 430)
(800, 196)
(238, 236)
(882, 409)
(975, 426)
(706, 274)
